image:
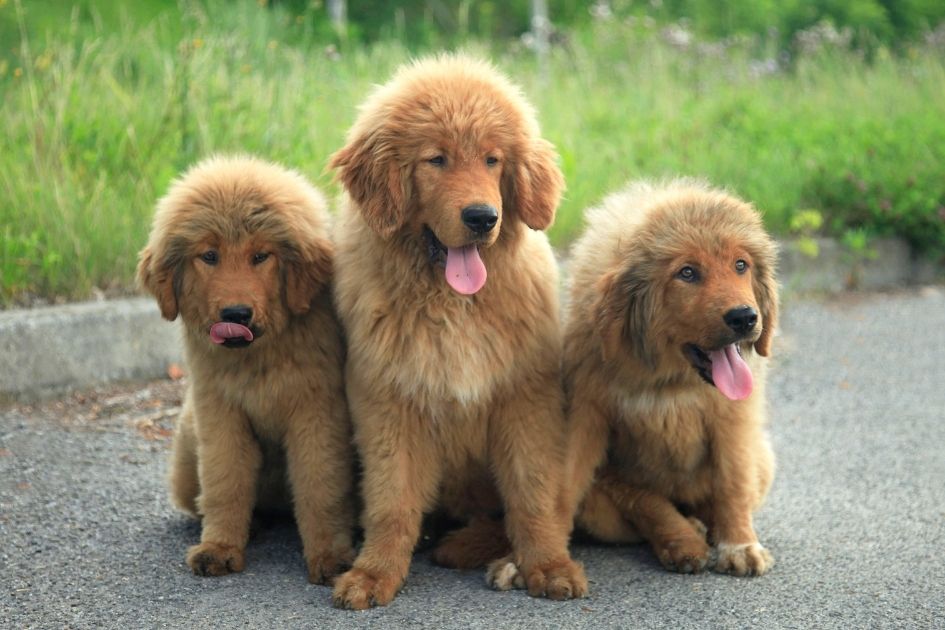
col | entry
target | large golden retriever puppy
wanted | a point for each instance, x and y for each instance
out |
(673, 305)
(240, 250)
(447, 292)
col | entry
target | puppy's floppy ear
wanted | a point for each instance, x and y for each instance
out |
(533, 185)
(158, 279)
(308, 268)
(368, 168)
(765, 286)
(623, 314)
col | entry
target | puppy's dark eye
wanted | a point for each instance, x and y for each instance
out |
(211, 257)
(439, 160)
(687, 274)
(492, 161)
(260, 258)
(741, 266)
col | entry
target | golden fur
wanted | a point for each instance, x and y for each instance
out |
(255, 417)
(455, 399)
(670, 452)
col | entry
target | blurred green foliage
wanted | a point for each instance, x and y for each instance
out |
(437, 23)
(104, 103)
(871, 22)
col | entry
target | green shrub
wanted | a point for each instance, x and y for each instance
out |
(879, 164)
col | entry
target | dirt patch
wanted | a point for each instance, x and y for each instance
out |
(150, 407)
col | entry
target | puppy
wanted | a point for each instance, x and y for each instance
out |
(240, 250)
(673, 306)
(448, 294)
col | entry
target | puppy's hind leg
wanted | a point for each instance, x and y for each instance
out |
(600, 517)
(678, 542)
(481, 541)
(597, 515)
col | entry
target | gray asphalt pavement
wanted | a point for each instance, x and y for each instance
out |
(856, 518)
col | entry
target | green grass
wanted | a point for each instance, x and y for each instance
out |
(101, 112)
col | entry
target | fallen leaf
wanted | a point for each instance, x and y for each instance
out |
(151, 430)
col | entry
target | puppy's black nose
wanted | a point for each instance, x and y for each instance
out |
(238, 314)
(741, 319)
(480, 218)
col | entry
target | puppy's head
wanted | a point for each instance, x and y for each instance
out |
(694, 290)
(238, 247)
(447, 153)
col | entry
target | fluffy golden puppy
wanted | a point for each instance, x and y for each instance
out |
(673, 305)
(240, 250)
(447, 291)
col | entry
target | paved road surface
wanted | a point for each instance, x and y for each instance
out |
(856, 518)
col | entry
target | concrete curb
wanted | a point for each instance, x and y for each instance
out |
(54, 349)
(49, 350)
(885, 264)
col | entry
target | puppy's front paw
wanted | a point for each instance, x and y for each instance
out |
(324, 567)
(687, 555)
(210, 558)
(359, 589)
(557, 579)
(503, 575)
(744, 559)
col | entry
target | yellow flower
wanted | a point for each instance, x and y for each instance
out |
(44, 61)
(198, 43)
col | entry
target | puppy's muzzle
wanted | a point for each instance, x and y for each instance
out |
(238, 314)
(233, 330)
(480, 218)
(741, 319)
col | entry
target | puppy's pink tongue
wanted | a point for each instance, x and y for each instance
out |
(464, 269)
(221, 331)
(730, 373)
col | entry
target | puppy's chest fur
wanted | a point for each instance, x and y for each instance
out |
(663, 441)
(451, 347)
(266, 384)
(261, 390)
(408, 331)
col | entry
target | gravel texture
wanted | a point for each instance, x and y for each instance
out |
(856, 518)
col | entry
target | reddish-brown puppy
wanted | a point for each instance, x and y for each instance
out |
(240, 250)
(673, 305)
(447, 292)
